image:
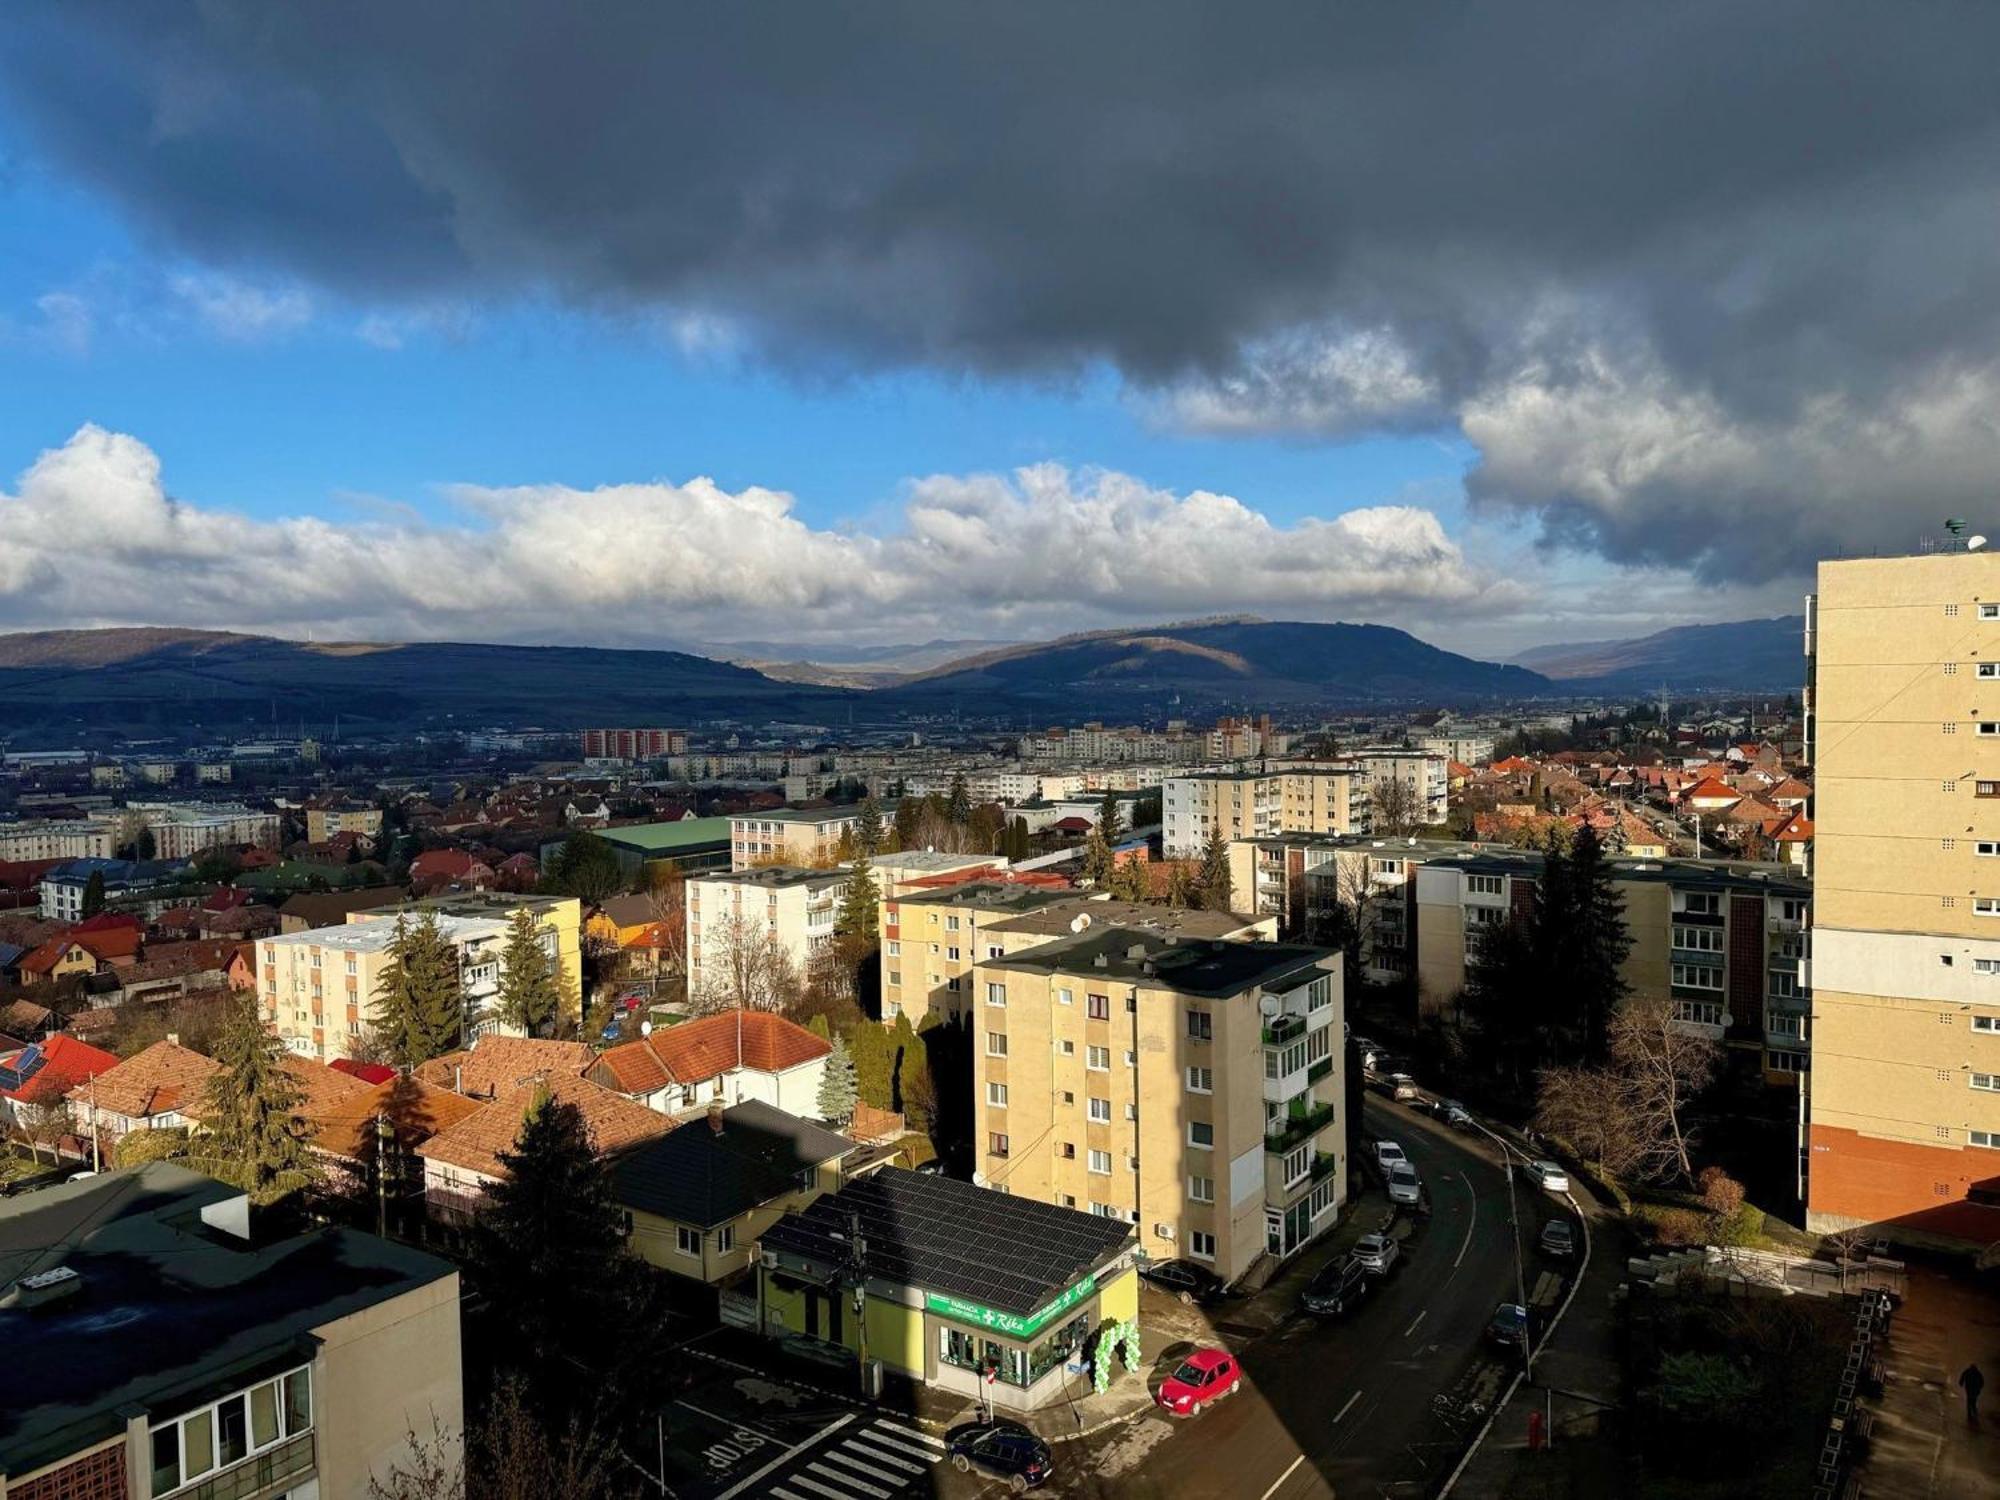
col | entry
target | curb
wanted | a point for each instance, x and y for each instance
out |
(1105, 1426)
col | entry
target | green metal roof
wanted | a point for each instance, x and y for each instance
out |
(664, 838)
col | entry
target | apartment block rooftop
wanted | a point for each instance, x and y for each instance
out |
(1097, 911)
(1690, 874)
(989, 895)
(376, 935)
(1206, 968)
(774, 877)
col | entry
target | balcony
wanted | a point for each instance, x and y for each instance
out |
(1284, 1134)
(1282, 1029)
(1776, 923)
(1325, 1164)
(271, 1473)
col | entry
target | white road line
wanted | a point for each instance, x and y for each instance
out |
(849, 1480)
(783, 1458)
(731, 1422)
(860, 1444)
(920, 1436)
(1279, 1482)
(1344, 1410)
(1415, 1321)
(814, 1484)
(841, 1455)
(782, 1494)
(897, 1445)
(1472, 1220)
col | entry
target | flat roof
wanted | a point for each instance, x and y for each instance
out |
(934, 860)
(776, 877)
(479, 903)
(1207, 968)
(987, 895)
(1012, 1254)
(800, 815)
(660, 838)
(374, 936)
(1054, 918)
(169, 1311)
(1701, 874)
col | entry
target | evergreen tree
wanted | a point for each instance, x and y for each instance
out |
(1016, 847)
(93, 895)
(909, 816)
(868, 831)
(1128, 880)
(1096, 858)
(958, 806)
(587, 868)
(1586, 940)
(529, 995)
(858, 905)
(419, 1003)
(549, 1243)
(254, 1136)
(837, 1088)
(1180, 889)
(1212, 880)
(1107, 817)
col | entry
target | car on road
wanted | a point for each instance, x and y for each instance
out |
(1402, 1087)
(1376, 1254)
(1404, 1184)
(1454, 1114)
(1387, 1154)
(1547, 1176)
(1185, 1280)
(1559, 1239)
(1335, 1287)
(1205, 1376)
(1508, 1327)
(1004, 1449)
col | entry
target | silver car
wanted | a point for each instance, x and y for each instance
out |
(1404, 1184)
(1375, 1253)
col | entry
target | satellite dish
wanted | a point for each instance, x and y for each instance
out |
(1269, 1004)
(1974, 543)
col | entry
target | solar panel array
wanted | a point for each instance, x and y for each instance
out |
(1010, 1254)
(26, 1064)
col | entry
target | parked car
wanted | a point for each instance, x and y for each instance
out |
(1337, 1286)
(1559, 1239)
(1376, 1254)
(1184, 1279)
(1454, 1114)
(1387, 1154)
(1004, 1449)
(1547, 1176)
(1402, 1086)
(1508, 1327)
(1205, 1376)
(1404, 1184)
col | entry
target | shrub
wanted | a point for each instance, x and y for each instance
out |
(140, 1146)
(1721, 1194)
(1679, 1227)
(1744, 1225)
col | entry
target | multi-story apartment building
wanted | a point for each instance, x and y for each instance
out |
(57, 838)
(1466, 749)
(730, 917)
(137, 886)
(181, 830)
(293, 1365)
(1724, 940)
(1257, 804)
(633, 744)
(1189, 1086)
(805, 837)
(323, 822)
(558, 922)
(1424, 772)
(931, 939)
(1903, 730)
(317, 988)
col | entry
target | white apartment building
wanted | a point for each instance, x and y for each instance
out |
(1422, 771)
(181, 830)
(802, 837)
(317, 987)
(1260, 804)
(794, 907)
(56, 838)
(1466, 749)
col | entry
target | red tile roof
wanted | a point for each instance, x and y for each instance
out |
(755, 1039)
(69, 1062)
(475, 1142)
(369, 1073)
(164, 1078)
(107, 921)
(494, 1065)
(109, 943)
(416, 1111)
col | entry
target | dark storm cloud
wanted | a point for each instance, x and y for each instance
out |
(1662, 263)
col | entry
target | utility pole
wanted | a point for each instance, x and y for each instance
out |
(384, 1135)
(96, 1156)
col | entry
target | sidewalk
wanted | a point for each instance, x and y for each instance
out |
(1923, 1447)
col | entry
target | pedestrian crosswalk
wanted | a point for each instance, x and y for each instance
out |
(872, 1459)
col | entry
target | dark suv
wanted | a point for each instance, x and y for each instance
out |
(1338, 1286)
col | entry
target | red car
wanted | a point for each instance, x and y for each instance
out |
(1204, 1376)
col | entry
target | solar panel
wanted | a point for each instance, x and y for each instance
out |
(26, 1064)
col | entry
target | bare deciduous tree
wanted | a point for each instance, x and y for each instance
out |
(507, 1454)
(1663, 1064)
(667, 898)
(745, 967)
(1394, 808)
(1587, 1109)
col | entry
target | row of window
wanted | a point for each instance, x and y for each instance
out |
(230, 1430)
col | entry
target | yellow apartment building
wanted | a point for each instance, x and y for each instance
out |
(1257, 804)
(1903, 728)
(1190, 1087)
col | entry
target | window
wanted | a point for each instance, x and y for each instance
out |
(1986, 788)
(1201, 1080)
(1097, 1007)
(1697, 977)
(996, 1095)
(1100, 1111)
(996, 1143)
(725, 1238)
(1698, 939)
(1784, 1023)
(951, 924)
(1201, 1189)
(687, 1241)
(1484, 885)
(1698, 1012)
(1104, 1210)
(1780, 1061)
(952, 954)
(996, 994)
(1132, 1112)
(1131, 1058)
(1986, 1023)
(1097, 1059)
(1068, 1152)
(893, 948)
(1990, 1139)
(1989, 726)
(1989, 611)
(1201, 1135)
(1986, 906)
(996, 1044)
(1987, 848)
(895, 976)
(1989, 669)
(1201, 1244)
(1064, 997)
(993, 951)
(1986, 1083)
(1066, 1047)
(1702, 903)
(1784, 986)
(1297, 1163)
(1100, 1163)
(227, 1431)
(1200, 1026)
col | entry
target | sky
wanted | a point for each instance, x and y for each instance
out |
(872, 324)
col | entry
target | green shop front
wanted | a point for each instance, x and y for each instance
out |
(957, 1286)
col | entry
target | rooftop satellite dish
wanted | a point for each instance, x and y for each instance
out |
(1974, 543)
(1269, 1004)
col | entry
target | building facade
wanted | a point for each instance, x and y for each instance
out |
(1189, 1087)
(734, 920)
(803, 837)
(56, 838)
(1258, 804)
(633, 744)
(1903, 728)
(181, 830)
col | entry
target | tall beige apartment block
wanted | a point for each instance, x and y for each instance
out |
(1192, 1087)
(1903, 1123)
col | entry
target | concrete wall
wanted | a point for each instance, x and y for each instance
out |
(382, 1373)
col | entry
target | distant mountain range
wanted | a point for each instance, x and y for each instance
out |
(1208, 662)
(1745, 655)
(845, 666)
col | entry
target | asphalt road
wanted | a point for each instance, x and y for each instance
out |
(1344, 1407)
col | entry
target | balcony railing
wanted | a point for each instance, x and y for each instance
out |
(1285, 1133)
(1281, 1029)
(1319, 1070)
(1325, 1164)
(256, 1477)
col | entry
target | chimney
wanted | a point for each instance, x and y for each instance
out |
(458, 1078)
(174, 1037)
(715, 1115)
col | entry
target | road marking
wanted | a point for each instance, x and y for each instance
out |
(896, 1445)
(1471, 1222)
(1345, 1409)
(783, 1458)
(731, 1422)
(850, 1481)
(842, 1456)
(922, 1437)
(1415, 1321)
(824, 1489)
(860, 1444)
(1282, 1478)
